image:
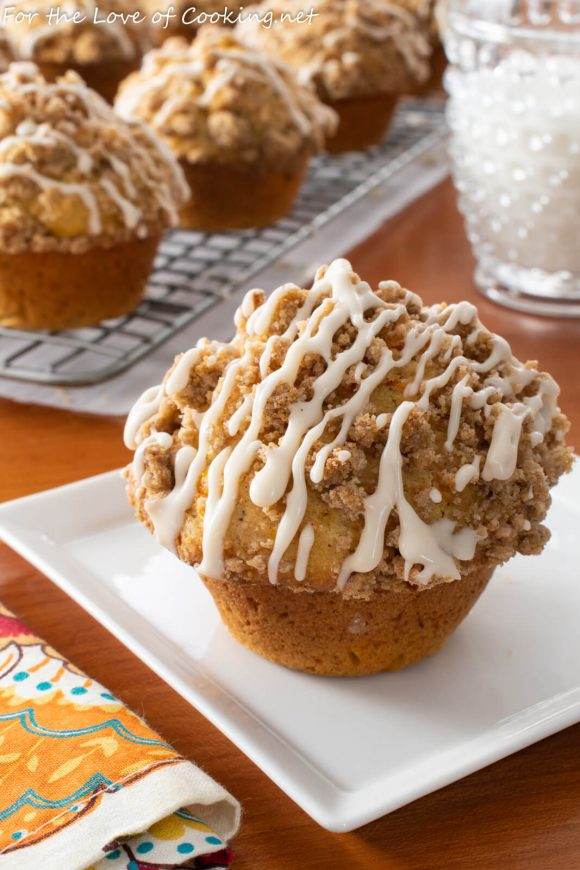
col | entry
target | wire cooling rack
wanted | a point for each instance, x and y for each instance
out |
(195, 271)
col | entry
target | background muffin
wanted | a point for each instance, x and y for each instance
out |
(84, 198)
(102, 53)
(359, 54)
(349, 470)
(241, 125)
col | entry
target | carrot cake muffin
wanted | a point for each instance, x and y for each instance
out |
(348, 471)
(241, 125)
(361, 55)
(104, 45)
(84, 199)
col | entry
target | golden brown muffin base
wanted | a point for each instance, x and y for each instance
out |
(104, 78)
(239, 197)
(434, 84)
(363, 121)
(313, 631)
(60, 290)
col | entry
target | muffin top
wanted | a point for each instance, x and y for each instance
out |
(215, 100)
(76, 38)
(73, 175)
(349, 439)
(350, 48)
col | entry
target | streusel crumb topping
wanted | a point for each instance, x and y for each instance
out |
(215, 100)
(351, 48)
(113, 36)
(73, 175)
(384, 441)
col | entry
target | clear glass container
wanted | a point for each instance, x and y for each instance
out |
(514, 113)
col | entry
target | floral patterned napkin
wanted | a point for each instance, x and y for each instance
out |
(85, 783)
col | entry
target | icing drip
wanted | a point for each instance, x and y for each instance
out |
(431, 546)
(468, 473)
(178, 378)
(162, 439)
(144, 408)
(460, 392)
(174, 505)
(502, 455)
(337, 299)
(305, 542)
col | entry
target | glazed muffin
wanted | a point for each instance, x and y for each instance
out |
(102, 52)
(348, 471)
(84, 199)
(241, 125)
(361, 55)
(185, 20)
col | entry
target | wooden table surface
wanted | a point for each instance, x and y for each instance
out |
(523, 812)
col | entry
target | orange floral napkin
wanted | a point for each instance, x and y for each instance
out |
(85, 783)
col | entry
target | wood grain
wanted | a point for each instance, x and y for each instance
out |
(523, 812)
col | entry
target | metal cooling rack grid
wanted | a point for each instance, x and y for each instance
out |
(195, 271)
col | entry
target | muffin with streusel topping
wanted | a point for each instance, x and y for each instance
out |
(102, 43)
(361, 55)
(241, 125)
(84, 199)
(348, 471)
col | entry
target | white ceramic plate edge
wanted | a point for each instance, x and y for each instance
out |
(333, 808)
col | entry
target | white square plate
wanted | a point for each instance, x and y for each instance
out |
(346, 750)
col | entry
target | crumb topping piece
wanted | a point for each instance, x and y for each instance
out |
(105, 32)
(348, 438)
(350, 48)
(214, 100)
(72, 173)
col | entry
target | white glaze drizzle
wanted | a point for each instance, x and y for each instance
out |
(143, 410)
(305, 542)
(335, 299)
(162, 439)
(461, 391)
(502, 456)
(468, 473)
(178, 377)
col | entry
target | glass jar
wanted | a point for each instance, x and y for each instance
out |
(514, 113)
